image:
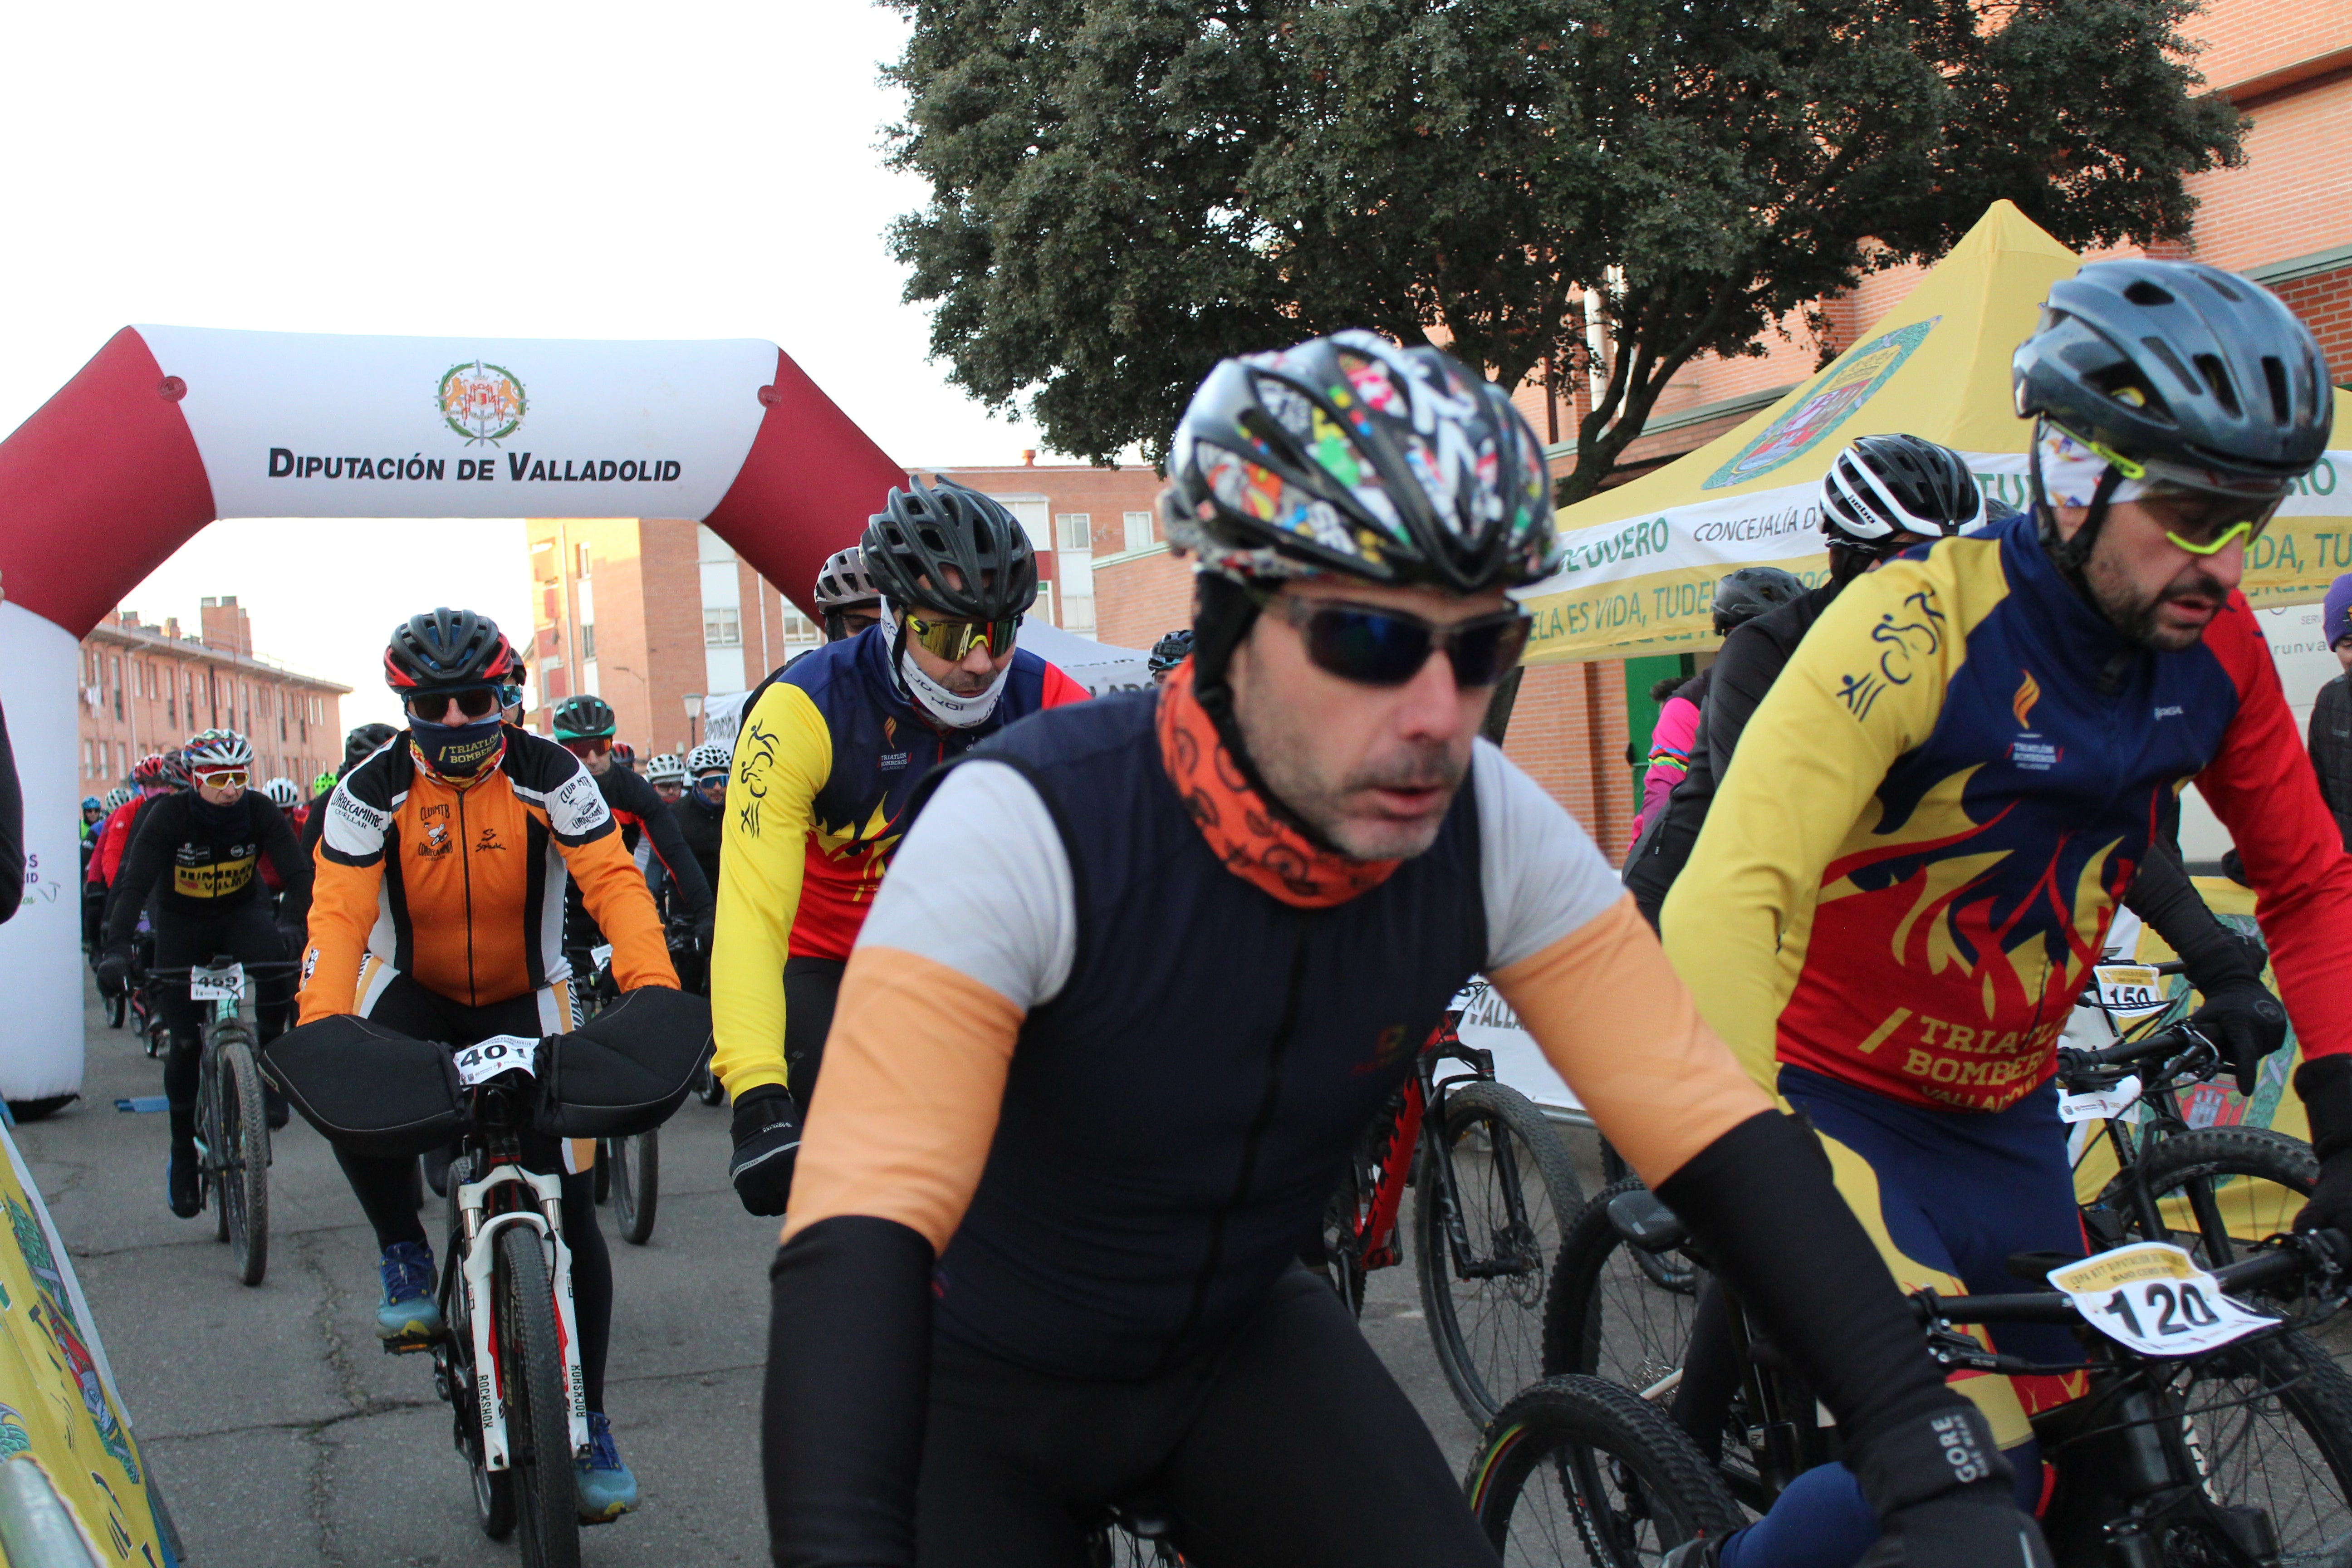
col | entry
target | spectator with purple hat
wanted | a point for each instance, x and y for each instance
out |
(2331, 716)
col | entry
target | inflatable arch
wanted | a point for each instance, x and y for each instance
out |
(170, 427)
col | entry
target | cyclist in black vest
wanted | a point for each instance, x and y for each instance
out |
(1143, 971)
(199, 851)
(585, 727)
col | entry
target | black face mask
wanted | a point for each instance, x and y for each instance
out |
(458, 751)
(228, 818)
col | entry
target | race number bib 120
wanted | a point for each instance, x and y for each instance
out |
(225, 984)
(499, 1052)
(2152, 1297)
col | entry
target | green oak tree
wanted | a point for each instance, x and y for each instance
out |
(1124, 190)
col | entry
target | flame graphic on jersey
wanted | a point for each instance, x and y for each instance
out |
(2028, 693)
(871, 843)
(1944, 891)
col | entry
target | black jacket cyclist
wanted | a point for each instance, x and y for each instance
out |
(1142, 973)
(199, 851)
(585, 727)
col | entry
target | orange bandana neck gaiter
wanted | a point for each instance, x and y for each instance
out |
(1252, 842)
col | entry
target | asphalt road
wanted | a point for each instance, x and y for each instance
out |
(284, 1437)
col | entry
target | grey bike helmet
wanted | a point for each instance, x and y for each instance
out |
(922, 532)
(1746, 593)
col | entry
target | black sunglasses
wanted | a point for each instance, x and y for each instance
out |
(1388, 647)
(476, 702)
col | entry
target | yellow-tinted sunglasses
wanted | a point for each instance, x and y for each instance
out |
(954, 640)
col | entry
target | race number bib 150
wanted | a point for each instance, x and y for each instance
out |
(499, 1052)
(2152, 1297)
(2131, 990)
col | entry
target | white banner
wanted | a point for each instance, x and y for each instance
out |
(41, 964)
(722, 716)
(1489, 1024)
(293, 425)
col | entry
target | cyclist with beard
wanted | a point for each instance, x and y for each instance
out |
(830, 752)
(199, 852)
(1143, 973)
(1905, 880)
(441, 873)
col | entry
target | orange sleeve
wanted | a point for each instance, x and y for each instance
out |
(1617, 1023)
(914, 1077)
(615, 892)
(344, 902)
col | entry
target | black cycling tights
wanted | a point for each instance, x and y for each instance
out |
(1290, 1447)
(387, 1188)
(245, 933)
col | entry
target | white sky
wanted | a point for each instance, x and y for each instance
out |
(584, 170)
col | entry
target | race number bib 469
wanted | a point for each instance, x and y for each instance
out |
(2152, 1297)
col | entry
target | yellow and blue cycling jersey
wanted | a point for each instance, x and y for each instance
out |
(1913, 858)
(828, 756)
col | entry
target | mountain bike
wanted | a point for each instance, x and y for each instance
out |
(2212, 1431)
(1496, 1192)
(1626, 1313)
(232, 1111)
(508, 1361)
(628, 1169)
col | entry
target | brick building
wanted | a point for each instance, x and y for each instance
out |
(145, 687)
(648, 611)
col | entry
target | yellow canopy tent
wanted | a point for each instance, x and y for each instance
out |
(1643, 559)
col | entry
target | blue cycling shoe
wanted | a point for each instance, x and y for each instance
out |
(408, 1311)
(606, 1488)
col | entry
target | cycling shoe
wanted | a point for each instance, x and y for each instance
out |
(408, 1310)
(274, 1107)
(181, 1188)
(605, 1487)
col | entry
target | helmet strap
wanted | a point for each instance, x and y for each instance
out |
(1223, 615)
(2069, 555)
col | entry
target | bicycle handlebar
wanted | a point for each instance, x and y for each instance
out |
(2296, 1253)
(2177, 1040)
(262, 970)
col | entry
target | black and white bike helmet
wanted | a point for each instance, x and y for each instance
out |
(1171, 651)
(283, 793)
(843, 583)
(710, 757)
(216, 749)
(665, 767)
(1884, 487)
(116, 799)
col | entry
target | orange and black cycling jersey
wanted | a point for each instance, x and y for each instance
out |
(460, 884)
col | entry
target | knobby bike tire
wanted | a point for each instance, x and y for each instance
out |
(1576, 1469)
(211, 1132)
(604, 1171)
(1488, 1333)
(1614, 1311)
(637, 1185)
(244, 1157)
(707, 1088)
(2258, 1177)
(539, 1436)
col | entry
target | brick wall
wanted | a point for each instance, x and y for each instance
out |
(1567, 731)
(1140, 598)
(2324, 302)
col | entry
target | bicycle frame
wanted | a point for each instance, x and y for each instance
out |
(486, 1208)
(1415, 1127)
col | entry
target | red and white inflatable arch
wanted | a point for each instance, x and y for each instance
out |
(170, 427)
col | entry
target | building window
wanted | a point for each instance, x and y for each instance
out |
(588, 642)
(723, 627)
(89, 764)
(1073, 530)
(799, 628)
(1138, 529)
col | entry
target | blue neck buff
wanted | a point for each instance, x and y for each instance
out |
(457, 751)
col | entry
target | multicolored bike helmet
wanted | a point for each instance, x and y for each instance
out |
(209, 749)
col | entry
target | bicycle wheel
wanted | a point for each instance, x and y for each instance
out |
(707, 1088)
(531, 1373)
(637, 1184)
(2220, 1189)
(1615, 1311)
(244, 1155)
(1576, 1470)
(604, 1169)
(2269, 1421)
(1518, 1195)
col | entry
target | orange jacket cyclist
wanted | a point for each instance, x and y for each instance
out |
(437, 912)
(830, 753)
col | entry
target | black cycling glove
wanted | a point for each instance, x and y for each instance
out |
(114, 971)
(2325, 1085)
(2246, 1021)
(767, 1140)
(1945, 1496)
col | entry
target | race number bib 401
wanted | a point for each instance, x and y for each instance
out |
(499, 1052)
(2152, 1297)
